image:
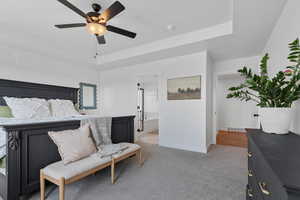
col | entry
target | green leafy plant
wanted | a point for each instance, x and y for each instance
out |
(280, 91)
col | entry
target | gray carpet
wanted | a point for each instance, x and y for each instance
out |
(168, 174)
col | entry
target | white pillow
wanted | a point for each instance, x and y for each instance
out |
(28, 108)
(74, 145)
(62, 108)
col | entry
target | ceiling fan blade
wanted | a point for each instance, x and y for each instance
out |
(74, 8)
(100, 39)
(112, 11)
(70, 25)
(121, 31)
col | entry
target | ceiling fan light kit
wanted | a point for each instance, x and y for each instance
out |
(96, 23)
(96, 29)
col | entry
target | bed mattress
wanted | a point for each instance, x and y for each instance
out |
(15, 121)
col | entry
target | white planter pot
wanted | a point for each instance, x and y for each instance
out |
(275, 120)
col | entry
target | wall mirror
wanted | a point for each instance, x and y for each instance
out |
(88, 96)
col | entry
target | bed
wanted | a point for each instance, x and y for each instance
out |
(29, 148)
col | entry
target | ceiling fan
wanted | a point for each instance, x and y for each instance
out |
(96, 23)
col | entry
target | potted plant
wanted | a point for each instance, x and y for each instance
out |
(274, 96)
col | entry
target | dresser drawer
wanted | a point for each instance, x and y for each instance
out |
(268, 184)
(248, 197)
(253, 191)
(252, 154)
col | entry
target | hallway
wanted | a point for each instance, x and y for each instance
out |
(149, 138)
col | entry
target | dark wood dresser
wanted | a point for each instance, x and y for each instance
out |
(273, 166)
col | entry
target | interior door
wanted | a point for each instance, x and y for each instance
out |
(141, 108)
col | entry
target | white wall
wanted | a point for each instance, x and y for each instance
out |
(286, 30)
(231, 66)
(182, 123)
(233, 113)
(209, 102)
(29, 66)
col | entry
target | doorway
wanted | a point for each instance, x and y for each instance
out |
(233, 115)
(148, 109)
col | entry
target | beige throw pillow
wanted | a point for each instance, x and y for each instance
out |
(74, 145)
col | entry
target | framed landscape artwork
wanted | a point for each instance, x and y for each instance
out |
(184, 88)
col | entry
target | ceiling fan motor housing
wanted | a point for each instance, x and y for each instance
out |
(96, 7)
(94, 16)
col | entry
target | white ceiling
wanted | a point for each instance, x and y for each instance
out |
(253, 22)
(30, 24)
(149, 19)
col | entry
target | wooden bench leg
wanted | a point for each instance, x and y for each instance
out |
(62, 189)
(140, 159)
(113, 171)
(42, 185)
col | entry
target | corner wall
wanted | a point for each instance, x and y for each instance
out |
(209, 103)
(182, 124)
(29, 66)
(286, 30)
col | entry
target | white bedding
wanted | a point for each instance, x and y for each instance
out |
(31, 108)
(62, 108)
(15, 121)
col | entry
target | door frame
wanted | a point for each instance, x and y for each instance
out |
(215, 101)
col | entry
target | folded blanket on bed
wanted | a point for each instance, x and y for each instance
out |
(2, 163)
(100, 128)
(2, 142)
(3, 171)
(111, 149)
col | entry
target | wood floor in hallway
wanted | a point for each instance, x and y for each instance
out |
(232, 138)
(149, 138)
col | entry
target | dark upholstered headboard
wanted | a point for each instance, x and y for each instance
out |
(30, 90)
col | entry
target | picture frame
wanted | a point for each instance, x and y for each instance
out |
(88, 96)
(184, 88)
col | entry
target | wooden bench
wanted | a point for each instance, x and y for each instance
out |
(61, 174)
(133, 150)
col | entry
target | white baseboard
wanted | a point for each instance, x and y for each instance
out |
(185, 147)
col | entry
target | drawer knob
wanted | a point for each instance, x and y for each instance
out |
(263, 188)
(250, 174)
(249, 191)
(249, 154)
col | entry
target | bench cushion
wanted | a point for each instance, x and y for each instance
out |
(131, 148)
(59, 170)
